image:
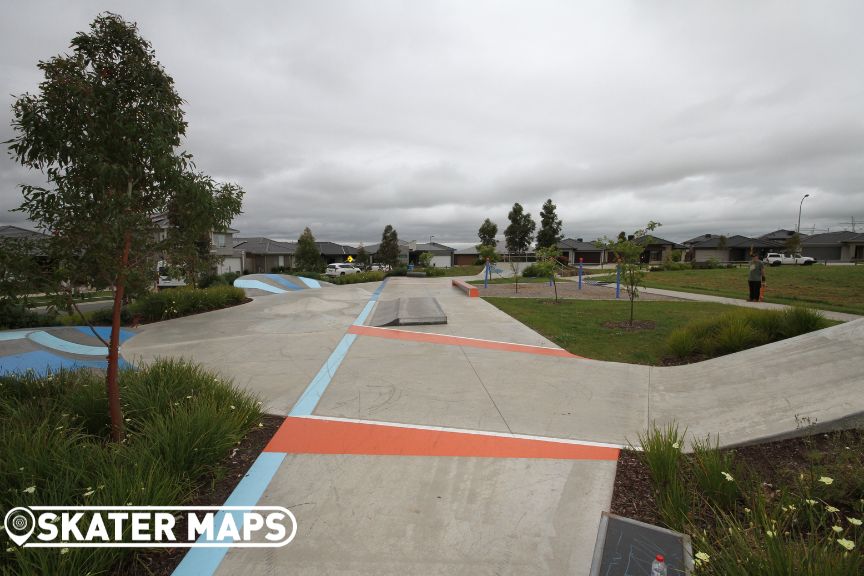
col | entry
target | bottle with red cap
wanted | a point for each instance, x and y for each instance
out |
(658, 567)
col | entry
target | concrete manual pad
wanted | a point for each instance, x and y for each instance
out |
(372, 515)
(417, 311)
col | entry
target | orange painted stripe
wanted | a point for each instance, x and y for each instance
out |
(313, 436)
(472, 291)
(408, 336)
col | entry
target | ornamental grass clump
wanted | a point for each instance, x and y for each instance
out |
(182, 423)
(739, 330)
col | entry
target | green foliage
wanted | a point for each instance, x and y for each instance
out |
(628, 253)
(371, 276)
(397, 271)
(547, 260)
(741, 329)
(550, 226)
(486, 252)
(105, 129)
(426, 259)
(520, 232)
(307, 256)
(362, 255)
(677, 255)
(435, 272)
(184, 421)
(661, 452)
(797, 522)
(533, 271)
(224, 279)
(177, 302)
(388, 250)
(487, 232)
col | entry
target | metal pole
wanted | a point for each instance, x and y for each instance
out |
(618, 281)
(798, 228)
(486, 275)
(580, 273)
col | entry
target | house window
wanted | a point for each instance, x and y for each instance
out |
(219, 240)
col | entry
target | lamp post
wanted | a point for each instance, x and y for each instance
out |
(798, 229)
(430, 238)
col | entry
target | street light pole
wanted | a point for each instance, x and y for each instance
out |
(430, 238)
(798, 229)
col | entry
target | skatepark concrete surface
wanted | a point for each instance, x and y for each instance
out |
(473, 447)
(418, 311)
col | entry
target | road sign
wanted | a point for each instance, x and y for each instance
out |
(349, 259)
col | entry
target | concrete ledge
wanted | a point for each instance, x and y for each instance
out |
(470, 291)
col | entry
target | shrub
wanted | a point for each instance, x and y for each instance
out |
(398, 271)
(435, 272)
(16, 315)
(740, 330)
(714, 472)
(178, 302)
(183, 423)
(371, 276)
(532, 271)
(226, 279)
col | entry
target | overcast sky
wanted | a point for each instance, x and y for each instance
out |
(430, 115)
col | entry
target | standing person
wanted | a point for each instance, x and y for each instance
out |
(756, 277)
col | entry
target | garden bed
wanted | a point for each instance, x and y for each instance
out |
(785, 507)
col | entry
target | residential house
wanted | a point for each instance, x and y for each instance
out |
(572, 250)
(332, 252)
(409, 252)
(470, 255)
(734, 248)
(829, 247)
(221, 245)
(852, 249)
(17, 233)
(260, 255)
(656, 249)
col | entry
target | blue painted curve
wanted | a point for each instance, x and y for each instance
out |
(310, 282)
(257, 284)
(50, 341)
(105, 332)
(284, 282)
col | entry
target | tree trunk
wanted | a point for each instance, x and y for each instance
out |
(112, 385)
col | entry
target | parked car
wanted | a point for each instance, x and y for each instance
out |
(776, 259)
(341, 269)
(379, 267)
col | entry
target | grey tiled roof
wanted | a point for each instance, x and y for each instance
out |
(830, 238)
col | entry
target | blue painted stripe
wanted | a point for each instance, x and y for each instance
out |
(312, 395)
(310, 282)
(284, 282)
(244, 283)
(205, 561)
(42, 362)
(8, 335)
(50, 341)
(105, 332)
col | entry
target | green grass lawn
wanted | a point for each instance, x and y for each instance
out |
(471, 270)
(828, 287)
(577, 325)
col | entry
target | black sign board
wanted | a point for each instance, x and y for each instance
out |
(627, 547)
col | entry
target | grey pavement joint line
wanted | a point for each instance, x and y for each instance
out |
(479, 379)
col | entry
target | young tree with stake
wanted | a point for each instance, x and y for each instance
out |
(105, 129)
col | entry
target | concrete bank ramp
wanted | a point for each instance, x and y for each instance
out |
(265, 284)
(409, 312)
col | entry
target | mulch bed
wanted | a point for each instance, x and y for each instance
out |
(773, 462)
(568, 290)
(163, 561)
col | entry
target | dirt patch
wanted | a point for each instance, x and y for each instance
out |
(635, 326)
(567, 290)
(162, 562)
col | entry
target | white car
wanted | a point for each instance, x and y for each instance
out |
(776, 259)
(341, 270)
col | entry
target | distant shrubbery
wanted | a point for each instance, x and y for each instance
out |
(178, 302)
(398, 271)
(532, 271)
(371, 276)
(740, 330)
(435, 272)
(15, 315)
(226, 279)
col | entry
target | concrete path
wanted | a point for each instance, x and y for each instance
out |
(475, 447)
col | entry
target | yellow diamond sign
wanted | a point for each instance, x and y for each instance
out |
(350, 259)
